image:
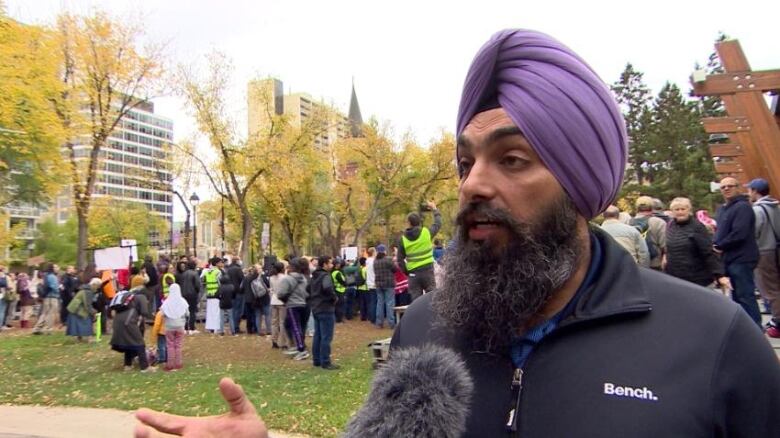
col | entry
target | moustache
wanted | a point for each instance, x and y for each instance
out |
(483, 212)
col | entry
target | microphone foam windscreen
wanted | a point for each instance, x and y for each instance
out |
(419, 392)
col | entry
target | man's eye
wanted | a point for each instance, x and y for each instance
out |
(464, 166)
(513, 161)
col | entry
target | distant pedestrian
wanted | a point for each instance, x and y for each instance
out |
(50, 307)
(384, 269)
(210, 278)
(767, 213)
(627, 236)
(322, 301)
(175, 312)
(80, 309)
(340, 286)
(292, 291)
(278, 310)
(652, 229)
(415, 252)
(236, 274)
(127, 337)
(26, 300)
(735, 239)
(689, 252)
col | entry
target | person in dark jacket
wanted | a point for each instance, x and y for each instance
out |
(153, 285)
(735, 240)
(70, 286)
(260, 307)
(236, 274)
(322, 301)
(561, 332)
(190, 284)
(127, 336)
(384, 275)
(689, 252)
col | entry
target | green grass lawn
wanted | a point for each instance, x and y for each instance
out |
(291, 396)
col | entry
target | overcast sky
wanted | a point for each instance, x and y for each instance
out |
(409, 58)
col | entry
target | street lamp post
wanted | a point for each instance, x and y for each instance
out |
(194, 200)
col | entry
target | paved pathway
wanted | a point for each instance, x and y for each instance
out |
(69, 422)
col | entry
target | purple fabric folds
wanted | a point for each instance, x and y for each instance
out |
(565, 111)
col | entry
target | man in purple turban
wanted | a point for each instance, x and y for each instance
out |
(561, 332)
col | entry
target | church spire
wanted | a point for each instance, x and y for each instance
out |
(355, 118)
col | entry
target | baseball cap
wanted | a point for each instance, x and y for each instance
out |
(381, 248)
(759, 184)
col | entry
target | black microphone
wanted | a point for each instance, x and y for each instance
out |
(419, 392)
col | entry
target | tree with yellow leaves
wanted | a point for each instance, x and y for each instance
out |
(242, 162)
(30, 135)
(378, 179)
(105, 73)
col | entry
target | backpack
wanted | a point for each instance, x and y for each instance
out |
(259, 288)
(122, 301)
(351, 279)
(642, 223)
(41, 290)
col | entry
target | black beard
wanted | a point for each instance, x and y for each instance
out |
(492, 293)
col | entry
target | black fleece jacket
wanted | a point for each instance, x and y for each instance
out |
(689, 252)
(643, 354)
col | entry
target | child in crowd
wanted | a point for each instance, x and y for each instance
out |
(175, 311)
(158, 337)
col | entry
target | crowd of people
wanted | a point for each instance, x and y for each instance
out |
(283, 300)
(735, 253)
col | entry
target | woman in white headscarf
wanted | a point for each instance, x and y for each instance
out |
(175, 312)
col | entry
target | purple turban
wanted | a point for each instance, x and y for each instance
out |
(564, 110)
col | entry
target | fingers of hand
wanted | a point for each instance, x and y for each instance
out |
(142, 431)
(235, 397)
(167, 423)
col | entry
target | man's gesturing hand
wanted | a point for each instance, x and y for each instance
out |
(241, 422)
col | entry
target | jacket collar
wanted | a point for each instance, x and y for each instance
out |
(736, 199)
(617, 289)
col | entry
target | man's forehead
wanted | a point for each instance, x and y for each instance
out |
(488, 126)
(728, 180)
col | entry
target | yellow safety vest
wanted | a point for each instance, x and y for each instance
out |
(165, 286)
(419, 252)
(363, 273)
(340, 288)
(212, 284)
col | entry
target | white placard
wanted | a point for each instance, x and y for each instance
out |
(349, 252)
(132, 245)
(112, 258)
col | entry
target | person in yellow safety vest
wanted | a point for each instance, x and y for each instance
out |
(210, 279)
(166, 280)
(415, 252)
(340, 285)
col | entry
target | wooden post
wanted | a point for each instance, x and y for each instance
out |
(754, 148)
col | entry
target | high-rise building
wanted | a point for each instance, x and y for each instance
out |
(135, 163)
(265, 98)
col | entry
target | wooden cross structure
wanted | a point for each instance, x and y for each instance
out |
(751, 127)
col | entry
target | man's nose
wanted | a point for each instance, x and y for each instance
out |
(479, 184)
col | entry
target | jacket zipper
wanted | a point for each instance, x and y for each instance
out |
(514, 409)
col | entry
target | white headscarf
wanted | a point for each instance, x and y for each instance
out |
(174, 306)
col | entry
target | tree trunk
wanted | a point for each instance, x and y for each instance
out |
(81, 244)
(246, 235)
